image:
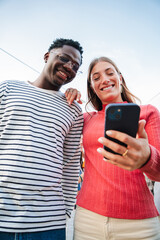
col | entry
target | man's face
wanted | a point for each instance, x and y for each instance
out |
(61, 67)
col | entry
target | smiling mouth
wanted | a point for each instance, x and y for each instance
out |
(63, 75)
(107, 88)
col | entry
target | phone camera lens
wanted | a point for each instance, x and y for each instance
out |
(117, 116)
(112, 111)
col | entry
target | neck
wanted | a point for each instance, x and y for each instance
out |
(45, 84)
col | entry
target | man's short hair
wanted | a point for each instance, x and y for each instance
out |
(60, 42)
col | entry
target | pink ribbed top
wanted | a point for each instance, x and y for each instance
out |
(109, 190)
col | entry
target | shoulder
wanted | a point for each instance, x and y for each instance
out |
(11, 83)
(8, 84)
(74, 105)
(73, 111)
(88, 115)
(148, 107)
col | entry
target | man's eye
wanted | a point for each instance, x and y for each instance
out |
(64, 59)
(75, 67)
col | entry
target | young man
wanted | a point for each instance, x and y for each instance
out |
(40, 149)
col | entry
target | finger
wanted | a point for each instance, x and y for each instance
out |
(73, 96)
(67, 91)
(141, 130)
(115, 159)
(78, 99)
(118, 160)
(112, 145)
(68, 94)
(122, 137)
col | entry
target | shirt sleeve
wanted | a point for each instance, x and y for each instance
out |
(2, 90)
(152, 167)
(71, 157)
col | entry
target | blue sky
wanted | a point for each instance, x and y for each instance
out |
(126, 30)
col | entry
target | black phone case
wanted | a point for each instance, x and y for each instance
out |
(121, 117)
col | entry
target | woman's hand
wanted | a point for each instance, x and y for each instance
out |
(73, 94)
(134, 156)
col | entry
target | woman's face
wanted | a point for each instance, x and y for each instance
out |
(105, 82)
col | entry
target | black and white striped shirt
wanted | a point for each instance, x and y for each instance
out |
(39, 157)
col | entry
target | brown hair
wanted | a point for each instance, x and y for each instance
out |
(93, 98)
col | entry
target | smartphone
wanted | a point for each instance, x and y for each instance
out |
(121, 117)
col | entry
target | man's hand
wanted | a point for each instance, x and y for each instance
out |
(73, 94)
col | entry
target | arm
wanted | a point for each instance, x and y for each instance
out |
(152, 167)
(72, 152)
(81, 176)
(143, 152)
(3, 88)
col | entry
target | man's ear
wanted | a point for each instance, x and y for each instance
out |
(46, 56)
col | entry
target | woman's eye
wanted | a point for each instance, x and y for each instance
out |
(110, 73)
(96, 78)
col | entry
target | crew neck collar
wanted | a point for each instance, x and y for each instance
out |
(45, 90)
(104, 105)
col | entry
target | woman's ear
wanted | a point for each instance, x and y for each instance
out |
(46, 56)
(120, 78)
(121, 82)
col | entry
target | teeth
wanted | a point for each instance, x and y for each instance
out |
(63, 74)
(107, 88)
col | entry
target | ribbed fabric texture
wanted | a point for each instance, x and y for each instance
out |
(39, 157)
(112, 191)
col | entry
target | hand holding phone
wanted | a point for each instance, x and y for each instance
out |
(121, 117)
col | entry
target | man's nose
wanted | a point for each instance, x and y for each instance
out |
(68, 65)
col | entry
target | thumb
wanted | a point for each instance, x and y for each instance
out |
(141, 131)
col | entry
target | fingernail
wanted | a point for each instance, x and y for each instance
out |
(99, 150)
(100, 140)
(108, 132)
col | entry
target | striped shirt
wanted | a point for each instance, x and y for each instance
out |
(39, 157)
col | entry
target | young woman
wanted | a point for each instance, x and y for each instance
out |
(115, 201)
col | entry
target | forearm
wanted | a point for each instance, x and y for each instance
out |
(70, 183)
(152, 167)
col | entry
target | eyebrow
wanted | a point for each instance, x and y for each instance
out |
(105, 70)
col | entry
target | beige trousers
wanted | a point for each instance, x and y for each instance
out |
(92, 226)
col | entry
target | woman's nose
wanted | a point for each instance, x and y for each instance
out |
(105, 79)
